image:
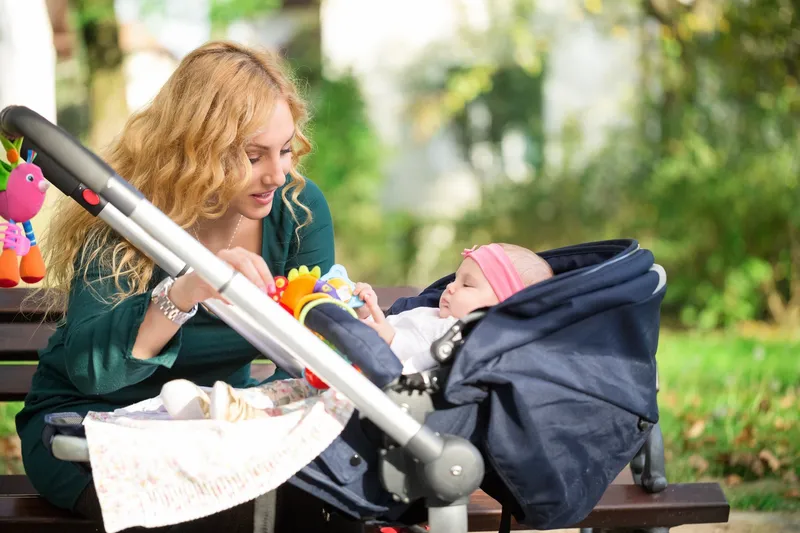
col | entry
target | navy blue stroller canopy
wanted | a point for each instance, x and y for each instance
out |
(555, 386)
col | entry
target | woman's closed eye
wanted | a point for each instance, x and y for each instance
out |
(256, 158)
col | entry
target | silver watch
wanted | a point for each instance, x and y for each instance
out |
(160, 297)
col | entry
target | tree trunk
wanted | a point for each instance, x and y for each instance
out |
(108, 107)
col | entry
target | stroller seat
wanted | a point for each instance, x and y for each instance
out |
(555, 386)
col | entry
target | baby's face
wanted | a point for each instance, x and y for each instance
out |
(468, 292)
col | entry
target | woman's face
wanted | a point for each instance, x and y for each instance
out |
(270, 153)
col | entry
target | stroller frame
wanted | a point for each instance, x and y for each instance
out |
(447, 468)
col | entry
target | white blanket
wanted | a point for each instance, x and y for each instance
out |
(151, 471)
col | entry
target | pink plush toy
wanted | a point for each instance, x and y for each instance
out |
(22, 191)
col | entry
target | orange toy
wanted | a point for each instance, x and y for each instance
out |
(298, 293)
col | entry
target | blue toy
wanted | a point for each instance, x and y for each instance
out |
(337, 284)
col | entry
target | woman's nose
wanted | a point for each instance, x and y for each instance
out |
(275, 176)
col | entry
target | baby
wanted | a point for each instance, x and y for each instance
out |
(487, 276)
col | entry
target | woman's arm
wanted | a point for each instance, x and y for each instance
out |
(188, 291)
(113, 346)
(99, 337)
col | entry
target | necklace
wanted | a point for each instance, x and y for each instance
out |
(230, 242)
(235, 230)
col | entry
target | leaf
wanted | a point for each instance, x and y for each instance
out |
(595, 7)
(696, 429)
(10, 447)
(782, 425)
(788, 401)
(733, 480)
(757, 467)
(746, 436)
(698, 463)
(743, 459)
(769, 458)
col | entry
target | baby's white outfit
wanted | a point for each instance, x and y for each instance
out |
(415, 331)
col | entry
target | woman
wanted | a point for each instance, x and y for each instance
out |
(217, 151)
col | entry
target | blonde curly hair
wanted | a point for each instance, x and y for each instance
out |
(185, 152)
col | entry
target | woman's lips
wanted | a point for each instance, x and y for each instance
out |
(263, 198)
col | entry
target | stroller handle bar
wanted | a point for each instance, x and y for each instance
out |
(132, 215)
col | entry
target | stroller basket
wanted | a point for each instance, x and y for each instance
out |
(541, 400)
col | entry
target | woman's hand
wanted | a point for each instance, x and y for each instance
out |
(191, 289)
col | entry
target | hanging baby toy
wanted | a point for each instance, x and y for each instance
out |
(22, 190)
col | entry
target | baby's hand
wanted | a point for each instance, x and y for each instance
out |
(379, 322)
(367, 294)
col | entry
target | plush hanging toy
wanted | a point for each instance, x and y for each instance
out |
(304, 289)
(22, 191)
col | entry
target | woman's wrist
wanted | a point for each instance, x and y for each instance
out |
(180, 296)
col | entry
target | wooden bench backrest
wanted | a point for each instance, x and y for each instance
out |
(24, 330)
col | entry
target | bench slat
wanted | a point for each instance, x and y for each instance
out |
(21, 341)
(621, 506)
(29, 514)
(16, 485)
(627, 506)
(17, 301)
(15, 382)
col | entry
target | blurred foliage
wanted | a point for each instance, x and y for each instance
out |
(226, 11)
(448, 81)
(707, 174)
(346, 162)
(223, 12)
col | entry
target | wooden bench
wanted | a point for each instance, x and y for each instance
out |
(24, 330)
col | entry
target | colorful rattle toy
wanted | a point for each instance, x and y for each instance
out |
(304, 289)
(22, 190)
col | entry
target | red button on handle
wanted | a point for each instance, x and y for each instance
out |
(90, 197)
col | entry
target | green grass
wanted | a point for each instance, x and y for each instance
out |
(8, 410)
(730, 412)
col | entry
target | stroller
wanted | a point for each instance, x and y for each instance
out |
(541, 400)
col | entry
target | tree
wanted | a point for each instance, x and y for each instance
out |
(707, 176)
(108, 109)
